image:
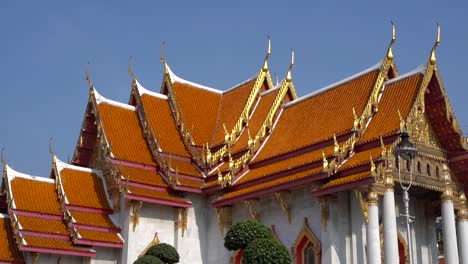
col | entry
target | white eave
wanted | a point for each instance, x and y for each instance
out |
(421, 69)
(142, 90)
(377, 66)
(101, 99)
(177, 79)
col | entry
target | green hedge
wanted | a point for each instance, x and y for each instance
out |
(165, 252)
(147, 259)
(243, 232)
(265, 251)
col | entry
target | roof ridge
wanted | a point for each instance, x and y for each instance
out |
(175, 78)
(232, 88)
(101, 99)
(420, 69)
(142, 90)
(336, 84)
(12, 174)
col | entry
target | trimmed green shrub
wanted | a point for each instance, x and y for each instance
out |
(147, 259)
(243, 232)
(165, 252)
(265, 251)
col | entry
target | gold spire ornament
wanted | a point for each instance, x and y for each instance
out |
(162, 58)
(390, 51)
(265, 62)
(2, 157)
(436, 44)
(90, 83)
(130, 70)
(288, 75)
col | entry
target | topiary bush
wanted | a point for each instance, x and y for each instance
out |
(147, 259)
(165, 252)
(243, 232)
(265, 251)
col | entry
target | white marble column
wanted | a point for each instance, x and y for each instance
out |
(390, 239)
(448, 228)
(462, 231)
(373, 233)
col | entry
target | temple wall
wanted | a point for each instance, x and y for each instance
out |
(215, 250)
(153, 218)
(52, 258)
(105, 255)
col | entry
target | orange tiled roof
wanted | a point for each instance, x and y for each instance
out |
(155, 194)
(345, 180)
(124, 134)
(190, 183)
(184, 167)
(101, 220)
(35, 196)
(52, 243)
(92, 195)
(42, 225)
(361, 158)
(270, 184)
(285, 165)
(231, 106)
(256, 121)
(8, 250)
(386, 121)
(199, 109)
(309, 121)
(162, 123)
(99, 236)
(142, 176)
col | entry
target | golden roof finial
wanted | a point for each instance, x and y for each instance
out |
(51, 150)
(2, 157)
(277, 79)
(163, 59)
(390, 51)
(130, 70)
(436, 44)
(265, 62)
(288, 75)
(90, 83)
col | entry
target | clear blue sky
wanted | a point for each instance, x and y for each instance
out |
(45, 46)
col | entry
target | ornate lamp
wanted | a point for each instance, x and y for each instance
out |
(407, 151)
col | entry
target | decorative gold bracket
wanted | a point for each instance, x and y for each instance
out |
(284, 206)
(35, 257)
(135, 213)
(181, 219)
(224, 218)
(324, 211)
(252, 211)
(362, 204)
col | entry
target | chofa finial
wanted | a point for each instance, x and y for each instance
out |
(2, 157)
(265, 62)
(390, 51)
(130, 70)
(51, 150)
(288, 75)
(90, 83)
(436, 44)
(163, 59)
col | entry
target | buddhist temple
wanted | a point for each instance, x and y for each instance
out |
(182, 164)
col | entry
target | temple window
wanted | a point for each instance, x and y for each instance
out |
(307, 248)
(428, 168)
(437, 172)
(419, 167)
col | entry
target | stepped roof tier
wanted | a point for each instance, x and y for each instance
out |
(253, 140)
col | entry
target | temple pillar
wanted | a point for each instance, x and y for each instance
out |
(448, 228)
(373, 233)
(390, 238)
(462, 231)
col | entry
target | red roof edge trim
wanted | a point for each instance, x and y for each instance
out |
(59, 251)
(87, 209)
(45, 235)
(157, 201)
(187, 189)
(133, 164)
(343, 187)
(96, 228)
(273, 189)
(211, 189)
(38, 215)
(98, 243)
(146, 186)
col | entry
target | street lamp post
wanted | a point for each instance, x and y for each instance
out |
(407, 151)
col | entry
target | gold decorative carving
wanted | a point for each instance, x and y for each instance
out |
(224, 180)
(182, 219)
(224, 218)
(153, 242)
(372, 199)
(362, 204)
(252, 211)
(284, 206)
(324, 211)
(135, 213)
(35, 257)
(308, 234)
